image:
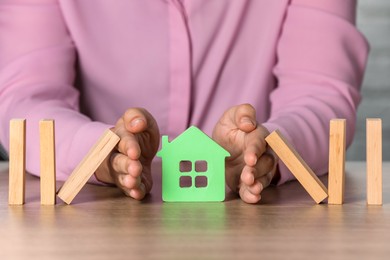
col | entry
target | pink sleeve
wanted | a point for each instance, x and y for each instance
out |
(321, 61)
(36, 77)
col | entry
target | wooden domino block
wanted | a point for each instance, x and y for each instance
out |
(88, 166)
(297, 166)
(374, 160)
(48, 162)
(17, 161)
(337, 146)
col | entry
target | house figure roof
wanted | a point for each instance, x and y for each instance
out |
(199, 142)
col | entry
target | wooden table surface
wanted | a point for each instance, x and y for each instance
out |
(101, 223)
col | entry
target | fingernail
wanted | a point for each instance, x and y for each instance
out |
(142, 187)
(136, 122)
(246, 120)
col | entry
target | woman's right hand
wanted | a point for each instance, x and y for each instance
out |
(129, 165)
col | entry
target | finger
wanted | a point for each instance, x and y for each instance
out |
(140, 190)
(245, 117)
(249, 182)
(247, 196)
(135, 168)
(128, 182)
(266, 179)
(120, 163)
(256, 188)
(129, 145)
(264, 164)
(250, 173)
(137, 120)
(147, 180)
(126, 173)
(138, 193)
(255, 147)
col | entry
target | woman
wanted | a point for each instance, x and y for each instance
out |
(237, 69)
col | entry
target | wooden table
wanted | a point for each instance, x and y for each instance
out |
(101, 223)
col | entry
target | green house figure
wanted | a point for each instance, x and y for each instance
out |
(193, 167)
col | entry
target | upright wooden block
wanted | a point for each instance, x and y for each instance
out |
(337, 146)
(88, 166)
(48, 162)
(374, 160)
(17, 161)
(297, 166)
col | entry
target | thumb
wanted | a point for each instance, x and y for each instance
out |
(245, 118)
(137, 120)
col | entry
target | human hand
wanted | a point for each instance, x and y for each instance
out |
(251, 166)
(129, 166)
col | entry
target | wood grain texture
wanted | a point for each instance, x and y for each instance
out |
(48, 162)
(337, 148)
(297, 166)
(374, 161)
(102, 223)
(88, 166)
(17, 162)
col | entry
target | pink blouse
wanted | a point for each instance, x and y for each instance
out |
(300, 63)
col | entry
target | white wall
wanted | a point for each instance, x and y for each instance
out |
(373, 19)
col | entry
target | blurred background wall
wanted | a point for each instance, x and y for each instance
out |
(373, 20)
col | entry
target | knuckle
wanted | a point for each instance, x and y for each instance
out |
(131, 113)
(115, 163)
(122, 146)
(268, 160)
(246, 107)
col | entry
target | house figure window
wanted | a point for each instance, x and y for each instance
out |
(193, 175)
(193, 167)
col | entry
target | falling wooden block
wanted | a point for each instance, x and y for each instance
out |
(17, 161)
(337, 143)
(374, 161)
(297, 166)
(48, 162)
(88, 166)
